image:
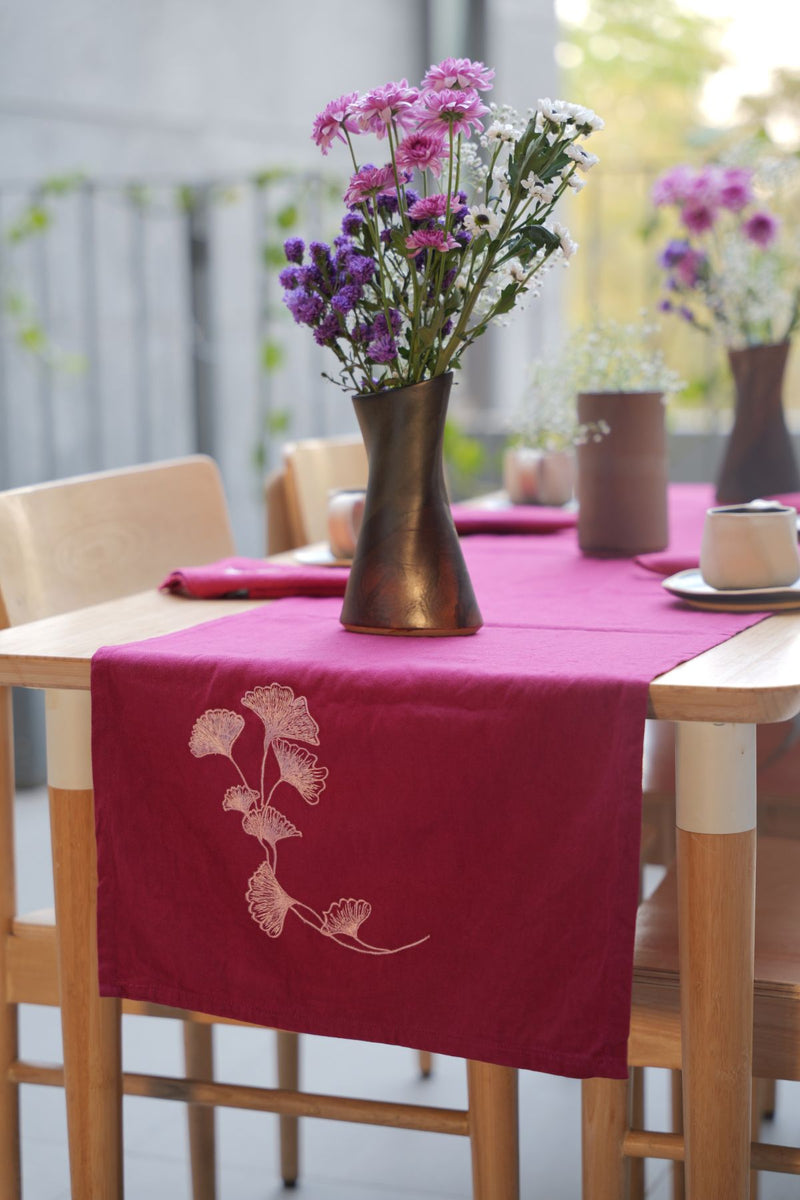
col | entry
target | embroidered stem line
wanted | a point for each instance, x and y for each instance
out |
(286, 721)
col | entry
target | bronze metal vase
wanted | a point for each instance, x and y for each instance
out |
(759, 459)
(408, 575)
(622, 477)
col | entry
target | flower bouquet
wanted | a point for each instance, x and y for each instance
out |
(729, 274)
(448, 233)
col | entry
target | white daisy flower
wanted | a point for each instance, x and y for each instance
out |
(584, 158)
(516, 271)
(551, 111)
(576, 183)
(539, 190)
(482, 219)
(568, 247)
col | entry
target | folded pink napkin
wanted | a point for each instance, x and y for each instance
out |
(256, 579)
(665, 562)
(520, 518)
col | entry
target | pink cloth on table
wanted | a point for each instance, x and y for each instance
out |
(479, 797)
(255, 578)
(520, 518)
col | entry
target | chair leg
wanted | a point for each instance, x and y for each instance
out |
(288, 1045)
(425, 1063)
(493, 1131)
(198, 1052)
(636, 1165)
(10, 1177)
(604, 1120)
(678, 1173)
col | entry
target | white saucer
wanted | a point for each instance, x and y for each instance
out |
(320, 555)
(690, 586)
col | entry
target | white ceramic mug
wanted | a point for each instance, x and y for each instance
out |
(750, 546)
(345, 513)
(538, 476)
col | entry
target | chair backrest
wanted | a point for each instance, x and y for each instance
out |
(312, 468)
(91, 538)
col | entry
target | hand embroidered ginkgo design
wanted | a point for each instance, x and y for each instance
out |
(286, 721)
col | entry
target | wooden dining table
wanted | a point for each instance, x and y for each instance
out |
(717, 699)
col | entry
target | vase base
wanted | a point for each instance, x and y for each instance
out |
(374, 629)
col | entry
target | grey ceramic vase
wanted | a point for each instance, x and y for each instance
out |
(759, 459)
(408, 575)
(622, 477)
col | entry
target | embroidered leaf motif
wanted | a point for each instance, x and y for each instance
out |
(239, 799)
(299, 768)
(215, 732)
(283, 714)
(345, 916)
(269, 825)
(267, 901)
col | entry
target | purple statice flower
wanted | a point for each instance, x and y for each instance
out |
(462, 236)
(447, 328)
(320, 254)
(361, 269)
(673, 186)
(294, 249)
(430, 208)
(333, 120)
(352, 223)
(347, 297)
(449, 279)
(698, 216)
(380, 327)
(382, 349)
(673, 253)
(690, 268)
(425, 151)
(311, 277)
(327, 330)
(305, 307)
(376, 110)
(687, 314)
(386, 237)
(361, 333)
(289, 278)
(449, 109)
(458, 73)
(411, 196)
(735, 188)
(761, 228)
(430, 239)
(388, 203)
(369, 181)
(341, 243)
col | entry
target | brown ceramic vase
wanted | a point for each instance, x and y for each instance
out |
(408, 575)
(759, 459)
(622, 477)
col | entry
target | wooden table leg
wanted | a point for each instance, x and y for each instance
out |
(10, 1181)
(90, 1025)
(716, 817)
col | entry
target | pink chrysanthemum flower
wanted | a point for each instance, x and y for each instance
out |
(735, 188)
(377, 109)
(430, 239)
(698, 216)
(673, 186)
(450, 109)
(761, 228)
(459, 72)
(369, 182)
(334, 118)
(425, 151)
(429, 207)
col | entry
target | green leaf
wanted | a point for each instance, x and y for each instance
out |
(507, 299)
(287, 217)
(273, 355)
(34, 220)
(278, 421)
(32, 338)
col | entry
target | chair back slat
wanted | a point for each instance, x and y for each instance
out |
(313, 468)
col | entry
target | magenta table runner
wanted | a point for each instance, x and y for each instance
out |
(429, 842)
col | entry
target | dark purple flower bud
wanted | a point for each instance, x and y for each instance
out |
(293, 248)
(289, 278)
(665, 306)
(382, 349)
(327, 330)
(346, 298)
(320, 253)
(447, 328)
(311, 277)
(448, 280)
(411, 196)
(386, 236)
(462, 236)
(673, 253)
(361, 268)
(305, 307)
(352, 223)
(687, 314)
(381, 329)
(342, 243)
(387, 203)
(361, 334)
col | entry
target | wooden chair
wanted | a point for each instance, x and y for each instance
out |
(610, 1143)
(297, 494)
(64, 546)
